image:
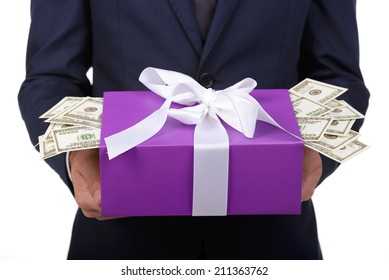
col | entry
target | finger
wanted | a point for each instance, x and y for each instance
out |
(88, 203)
(307, 191)
(312, 170)
(90, 213)
(87, 195)
(85, 199)
(107, 218)
(97, 197)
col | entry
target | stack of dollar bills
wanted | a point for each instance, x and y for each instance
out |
(75, 124)
(325, 122)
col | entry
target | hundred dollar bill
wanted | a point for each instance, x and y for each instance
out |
(88, 113)
(345, 113)
(317, 91)
(293, 97)
(335, 142)
(350, 150)
(343, 103)
(340, 127)
(54, 126)
(61, 120)
(313, 128)
(334, 103)
(307, 108)
(60, 107)
(47, 148)
(76, 138)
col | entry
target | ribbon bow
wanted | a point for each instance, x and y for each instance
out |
(204, 108)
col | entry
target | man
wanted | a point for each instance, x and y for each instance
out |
(277, 43)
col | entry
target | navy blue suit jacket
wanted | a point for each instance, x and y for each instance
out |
(276, 42)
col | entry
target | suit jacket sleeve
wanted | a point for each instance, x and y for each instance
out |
(330, 53)
(58, 57)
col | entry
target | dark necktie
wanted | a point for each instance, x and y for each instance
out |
(204, 10)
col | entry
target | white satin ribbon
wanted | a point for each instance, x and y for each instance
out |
(233, 105)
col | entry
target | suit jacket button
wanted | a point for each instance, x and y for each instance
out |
(206, 80)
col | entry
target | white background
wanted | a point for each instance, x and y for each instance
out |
(37, 210)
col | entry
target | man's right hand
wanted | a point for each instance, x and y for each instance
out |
(85, 171)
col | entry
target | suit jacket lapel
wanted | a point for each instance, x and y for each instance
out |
(185, 15)
(222, 13)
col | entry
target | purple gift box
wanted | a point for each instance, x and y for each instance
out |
(156, 177)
